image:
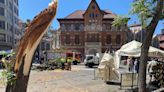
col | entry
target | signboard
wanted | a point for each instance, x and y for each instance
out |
(129, 79)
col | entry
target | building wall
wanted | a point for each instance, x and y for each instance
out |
(100, 42)
(8, 23)
(161, 39)
(96, 34)
(137, 33)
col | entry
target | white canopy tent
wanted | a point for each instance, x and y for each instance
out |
(133, 48)
(109, 64)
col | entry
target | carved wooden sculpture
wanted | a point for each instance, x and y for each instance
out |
(28, 44)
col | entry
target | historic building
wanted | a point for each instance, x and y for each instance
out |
(137, 33)
(90, 31)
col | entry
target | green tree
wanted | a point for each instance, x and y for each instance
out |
(149, 13)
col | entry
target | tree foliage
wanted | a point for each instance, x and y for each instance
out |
(120, 20)
(144, 9)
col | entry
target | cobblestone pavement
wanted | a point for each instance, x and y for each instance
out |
(80, 79)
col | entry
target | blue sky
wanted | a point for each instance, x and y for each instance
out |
(30, 8)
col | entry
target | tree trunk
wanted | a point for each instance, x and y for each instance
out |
(145, 46)
(28, 44)
(21, 82)
(9, 88)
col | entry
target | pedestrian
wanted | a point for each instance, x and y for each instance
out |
(69, 66)
(136, 65)
(128, 63)
(131, 64)
(66, 64)
(62, 65)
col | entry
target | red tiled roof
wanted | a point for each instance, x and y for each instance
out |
(79, 14)
(76, 15)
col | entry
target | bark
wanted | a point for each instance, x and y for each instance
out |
(21, 81)
(9, 88)
(145, 46)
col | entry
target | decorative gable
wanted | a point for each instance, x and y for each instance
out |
(93, 10)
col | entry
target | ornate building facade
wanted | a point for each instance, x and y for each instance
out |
(90, 31)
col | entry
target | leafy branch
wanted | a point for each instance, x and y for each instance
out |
(120, 20)
(7, 74)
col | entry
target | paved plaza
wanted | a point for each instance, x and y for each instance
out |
(80, 79)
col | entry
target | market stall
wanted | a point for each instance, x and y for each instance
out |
(133, 49)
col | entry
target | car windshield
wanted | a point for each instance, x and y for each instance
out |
(89, 57)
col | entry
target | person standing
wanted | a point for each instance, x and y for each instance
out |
(130, 64)
(136, 65)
